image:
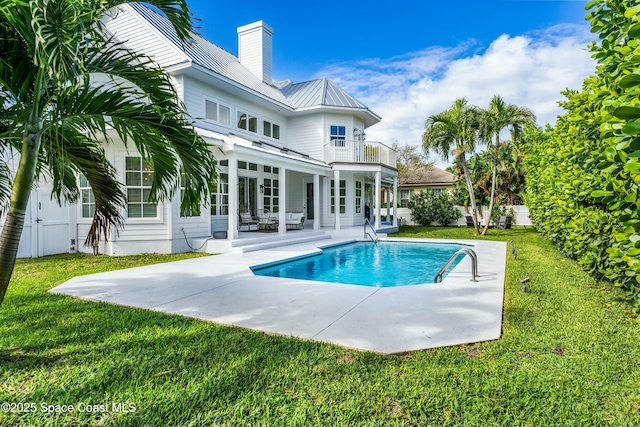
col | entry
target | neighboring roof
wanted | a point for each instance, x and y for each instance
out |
(313, 93)
(428, 175)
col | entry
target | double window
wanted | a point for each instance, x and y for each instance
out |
(271, 130)
(217, 112)
(247, 122)
(138, 180)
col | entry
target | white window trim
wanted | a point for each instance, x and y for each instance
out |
(159, 219)
(219, 103)
(82, 219)
(272, 122)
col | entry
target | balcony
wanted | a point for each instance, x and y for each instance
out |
(354, 151)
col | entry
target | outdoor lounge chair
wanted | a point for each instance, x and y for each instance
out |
(246, 219)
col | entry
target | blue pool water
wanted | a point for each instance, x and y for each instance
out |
(384, 264)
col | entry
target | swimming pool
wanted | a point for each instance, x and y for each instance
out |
(385, 264)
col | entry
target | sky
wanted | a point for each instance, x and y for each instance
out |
(407, 60)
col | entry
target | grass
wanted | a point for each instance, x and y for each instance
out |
(569, 356)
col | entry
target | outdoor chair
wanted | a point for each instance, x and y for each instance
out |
(266, 221)
(469, 221)
(504, 223)
(246, 219)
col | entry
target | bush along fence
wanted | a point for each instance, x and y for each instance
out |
(518, 213)
(583, 175)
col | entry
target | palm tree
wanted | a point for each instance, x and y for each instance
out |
(65, 84)
(494, 120)
(455, 129)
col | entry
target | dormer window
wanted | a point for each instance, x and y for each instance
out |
(217, 112)
(247, 122)
(271, 130)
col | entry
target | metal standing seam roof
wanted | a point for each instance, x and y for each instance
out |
(319, 92)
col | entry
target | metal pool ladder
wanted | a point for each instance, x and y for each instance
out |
(373, 237)
(474, 264)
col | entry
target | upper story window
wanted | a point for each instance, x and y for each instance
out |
(217, 112)
(271, 130)
(337, 135)
(247, 122)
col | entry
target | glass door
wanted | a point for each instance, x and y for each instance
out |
(248, 194)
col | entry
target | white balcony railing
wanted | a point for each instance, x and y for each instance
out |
(350, 151)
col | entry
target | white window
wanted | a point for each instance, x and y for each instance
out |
(342, 197)
(337, 135)
(405, 196)
(358, 197)
(271, 130)
(220, 190)
(192, 213)
(138, 180)
(247, 122)
(217, 112)
(270, 194)
(87, 201)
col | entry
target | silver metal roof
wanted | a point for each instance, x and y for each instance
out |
(320, 92)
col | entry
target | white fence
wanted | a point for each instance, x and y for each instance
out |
(520, 215)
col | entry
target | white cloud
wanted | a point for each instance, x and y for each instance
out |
(527, 70)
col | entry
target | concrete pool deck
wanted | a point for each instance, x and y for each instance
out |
(224, 290)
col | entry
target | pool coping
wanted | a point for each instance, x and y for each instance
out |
(224, 290)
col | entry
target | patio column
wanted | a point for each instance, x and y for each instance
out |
(395, 201)
(316, 202)
(336, 199)
(282, 200)
(232, 230)
(388, 194)
(376, 200)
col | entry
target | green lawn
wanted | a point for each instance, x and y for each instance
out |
(569, 356)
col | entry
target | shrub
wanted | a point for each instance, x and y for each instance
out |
(428, 206)
(583, 175)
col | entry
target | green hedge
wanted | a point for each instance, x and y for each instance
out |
(583, 174)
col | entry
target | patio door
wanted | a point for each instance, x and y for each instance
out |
(248, 194)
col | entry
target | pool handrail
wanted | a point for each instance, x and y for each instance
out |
(474, 264)
(366, 233)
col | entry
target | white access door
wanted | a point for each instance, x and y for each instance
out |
(54, 225)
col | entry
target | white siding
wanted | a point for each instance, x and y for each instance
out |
(294, 192)
(306, 135)
(140, 36)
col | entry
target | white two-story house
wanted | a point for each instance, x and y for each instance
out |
(280, 147)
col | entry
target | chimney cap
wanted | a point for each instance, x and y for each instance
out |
(255, 25)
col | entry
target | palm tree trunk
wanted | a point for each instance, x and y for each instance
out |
(472, 196)
(493, 192)
(21, 190)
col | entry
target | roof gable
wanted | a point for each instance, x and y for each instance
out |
(314, 93)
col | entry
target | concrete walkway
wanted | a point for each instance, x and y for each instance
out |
(223, 289)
